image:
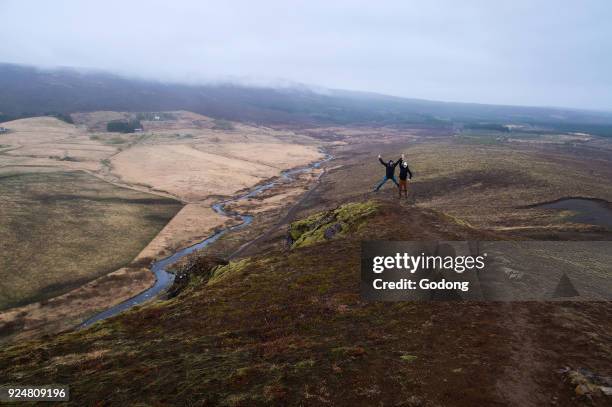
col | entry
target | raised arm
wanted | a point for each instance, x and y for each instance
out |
(397, 162)
(381, 160)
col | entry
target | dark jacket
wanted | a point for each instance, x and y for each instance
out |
(404, 171)
(390, 167)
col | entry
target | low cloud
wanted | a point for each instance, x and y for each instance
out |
(520, 52)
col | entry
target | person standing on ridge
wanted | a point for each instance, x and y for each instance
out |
(404, 175)
(390, 172)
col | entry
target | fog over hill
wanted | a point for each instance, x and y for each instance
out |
(29, 91)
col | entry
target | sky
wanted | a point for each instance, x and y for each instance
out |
(519, 52)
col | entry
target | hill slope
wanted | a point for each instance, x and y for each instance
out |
(27, 91)
(288, 327)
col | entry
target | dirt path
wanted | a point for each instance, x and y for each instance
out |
(518, 386)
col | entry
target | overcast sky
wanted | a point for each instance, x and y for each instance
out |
(525, 52)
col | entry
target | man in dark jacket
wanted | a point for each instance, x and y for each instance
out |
(390, 172)
(405, 174)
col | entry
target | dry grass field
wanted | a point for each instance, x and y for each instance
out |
(193, 173)
(190, 159)
(49, 142)
(60, 230)
(187, 155)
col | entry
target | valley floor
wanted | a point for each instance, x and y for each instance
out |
(50, 229)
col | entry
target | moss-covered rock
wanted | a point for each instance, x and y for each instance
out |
(233, 267)
(330, 224)
(298, 228)
(195, 270)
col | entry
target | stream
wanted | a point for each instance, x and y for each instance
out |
(164, 279)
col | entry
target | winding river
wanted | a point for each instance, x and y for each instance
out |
(163, 279)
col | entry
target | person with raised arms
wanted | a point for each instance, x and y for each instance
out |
(390, 172)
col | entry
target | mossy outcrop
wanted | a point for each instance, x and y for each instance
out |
(329, 224)
(224, 271)
(196, 269)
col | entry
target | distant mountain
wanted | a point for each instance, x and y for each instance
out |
(28, 91)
